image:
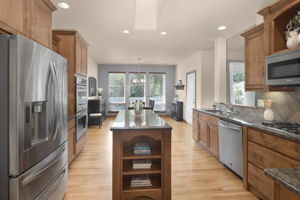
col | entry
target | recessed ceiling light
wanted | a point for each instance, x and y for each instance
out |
(63, 5)
(126, 31)
(164, 33)
(221, 28)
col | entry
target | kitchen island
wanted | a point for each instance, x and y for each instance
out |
(141, 156)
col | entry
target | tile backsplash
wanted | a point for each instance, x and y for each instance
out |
(286, 107)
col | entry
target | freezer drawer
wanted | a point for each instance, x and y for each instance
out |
(30, 184)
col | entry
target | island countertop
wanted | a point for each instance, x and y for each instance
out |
(128, 120)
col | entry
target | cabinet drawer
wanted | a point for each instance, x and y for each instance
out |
(286, 147)
(208, 118)
(282, 193)
(260, 181)
(265, 158)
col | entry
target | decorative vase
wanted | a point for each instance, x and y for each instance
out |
(269, 114)
(293, 40)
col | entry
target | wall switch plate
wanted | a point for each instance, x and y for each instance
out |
(260, 103)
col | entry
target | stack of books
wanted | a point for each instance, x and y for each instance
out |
(140, 181)
(141, 164)
(141, 148)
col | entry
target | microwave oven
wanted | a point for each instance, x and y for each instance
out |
(283, 69)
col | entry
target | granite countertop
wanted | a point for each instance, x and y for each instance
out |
(258, 125)
(289, 177)
(128, 120)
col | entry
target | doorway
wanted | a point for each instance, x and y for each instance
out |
(190, 96)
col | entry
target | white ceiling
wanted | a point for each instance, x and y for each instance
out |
(191, 26)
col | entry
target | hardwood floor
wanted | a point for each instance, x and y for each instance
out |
(195, 174)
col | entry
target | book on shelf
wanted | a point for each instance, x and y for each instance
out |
(140, 181)
(142, 164)
(141, 148)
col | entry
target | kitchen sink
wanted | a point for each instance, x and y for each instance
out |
(220, 112)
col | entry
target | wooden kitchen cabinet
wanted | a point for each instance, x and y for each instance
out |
(204, 134)
(263, 150)
(81, 56)
(40, 21)
(30, 18)
(13, 16)
(255, 59)
(73, 47)
(205, 131)
(196, 135)
(213, 139)
(71, 140)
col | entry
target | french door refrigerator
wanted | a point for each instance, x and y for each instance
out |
(33, 121)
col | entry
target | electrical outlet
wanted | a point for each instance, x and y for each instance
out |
(260, 103)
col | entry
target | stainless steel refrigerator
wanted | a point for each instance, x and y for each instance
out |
(33, 121)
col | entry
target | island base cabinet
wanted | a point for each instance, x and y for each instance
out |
(159, 174)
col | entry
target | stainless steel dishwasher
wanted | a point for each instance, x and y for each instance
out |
(231, 146)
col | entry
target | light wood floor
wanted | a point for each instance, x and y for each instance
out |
(195, 174)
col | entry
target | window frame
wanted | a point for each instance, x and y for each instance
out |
(229, 84)
(164, 90)
(145, 85)
(124, 95)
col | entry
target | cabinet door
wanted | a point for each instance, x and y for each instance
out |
(13, 16)
(195, 126)
(255, 59)
(214, 140)
(40, 20)
(84, 60)
(204, 137)
(78, 60)
(71, 144)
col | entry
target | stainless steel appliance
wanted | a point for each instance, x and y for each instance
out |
(81, 93)
(33, 113)
(283, 69)
(231, 146)
(81, 106)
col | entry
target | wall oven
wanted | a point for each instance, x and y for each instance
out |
(81, 124)
(81, 93)
(81, 106)
(283, 69)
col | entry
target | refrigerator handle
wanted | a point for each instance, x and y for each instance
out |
(56, 102)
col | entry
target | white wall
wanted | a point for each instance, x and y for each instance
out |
(220, 70)
(203, 63)
(92, 68)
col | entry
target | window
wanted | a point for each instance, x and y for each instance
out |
(116, 91)
(157, 90)
(237, 85)
(137, 87)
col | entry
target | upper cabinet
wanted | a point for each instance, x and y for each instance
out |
(255, 59)
(31, 18)
(13, 16)
(267, 39)
(40, 21)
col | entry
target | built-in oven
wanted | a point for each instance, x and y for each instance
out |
(81, 124)
(81, 93)
(283, 69)
(81, 106)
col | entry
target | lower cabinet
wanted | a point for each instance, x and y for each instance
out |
(213, 139)
(205, 131)
(204, 137)
(71, 146)
(261, 151)
(71, 140)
